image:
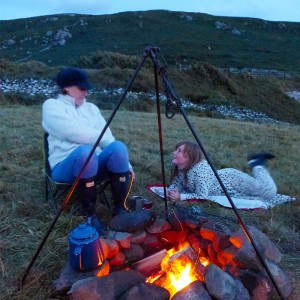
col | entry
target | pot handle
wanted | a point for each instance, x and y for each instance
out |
(77, 253)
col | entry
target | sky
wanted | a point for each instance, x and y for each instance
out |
(271, 10)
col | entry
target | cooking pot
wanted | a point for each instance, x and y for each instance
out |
(85, 250)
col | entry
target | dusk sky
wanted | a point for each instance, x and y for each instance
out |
(272, 10)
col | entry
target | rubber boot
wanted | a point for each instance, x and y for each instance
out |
(119, 183)
(87, 193)
(258, 159)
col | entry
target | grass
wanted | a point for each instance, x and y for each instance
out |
(25, 216)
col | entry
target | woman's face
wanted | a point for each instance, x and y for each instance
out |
(77, 93)
(180, 158)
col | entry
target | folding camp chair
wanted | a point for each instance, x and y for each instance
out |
(55, 190)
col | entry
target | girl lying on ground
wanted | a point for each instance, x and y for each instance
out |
(193, 178)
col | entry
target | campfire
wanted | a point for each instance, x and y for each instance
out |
(149, 256)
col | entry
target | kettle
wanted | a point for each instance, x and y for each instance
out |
(85, 249)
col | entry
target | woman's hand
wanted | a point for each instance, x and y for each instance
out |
(174, 195)
(132, 173)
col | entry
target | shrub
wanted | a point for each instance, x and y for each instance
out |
(20, 98)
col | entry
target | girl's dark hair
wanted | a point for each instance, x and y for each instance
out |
(193, 152)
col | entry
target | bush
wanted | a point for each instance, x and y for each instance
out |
(103, 59)
(20, 98)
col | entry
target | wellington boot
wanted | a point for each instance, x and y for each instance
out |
(87, 193)
(119, 183)
(86, 190)
(259, 159)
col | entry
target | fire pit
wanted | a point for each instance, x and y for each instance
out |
(147, 255)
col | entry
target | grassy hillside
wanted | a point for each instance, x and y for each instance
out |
(110, 46)
(182, 37)
(203, 85)
(25, 216)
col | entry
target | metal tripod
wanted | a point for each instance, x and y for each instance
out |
(172, 100)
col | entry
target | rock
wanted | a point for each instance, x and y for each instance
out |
(134, 253)
(68, 277)
(112, 247)
(258, 285)
(198, 243)
(236, 32)
(172, 237)
(212, 254)
(221, 241)
(281, 278)
(144, 291)
(109, 287)
(139, 237)
(246, 257)
(8, 42)
(123, 238)
(219, 284)
(208, 233)
(177, 219)
(152, 241)
(117, 260)
(241, 292)
(133, 221)
(226, 255)
(263, 243)
(62, 35)
(194, 291)
(159, 225)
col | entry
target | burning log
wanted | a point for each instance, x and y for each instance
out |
(150, 264)
(183, 258)
(181, 269)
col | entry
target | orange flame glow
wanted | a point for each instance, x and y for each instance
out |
(179, 275)
(179, 281)
(176, 273)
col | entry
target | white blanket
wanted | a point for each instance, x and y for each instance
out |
(240, 203)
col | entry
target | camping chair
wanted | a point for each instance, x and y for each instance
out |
(55, 190)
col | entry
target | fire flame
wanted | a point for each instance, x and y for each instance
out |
(179, 275)
(179, 281)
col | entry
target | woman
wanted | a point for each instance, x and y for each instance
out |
(74, 125)
(193, 178)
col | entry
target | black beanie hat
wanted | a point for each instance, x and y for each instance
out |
(73, 77)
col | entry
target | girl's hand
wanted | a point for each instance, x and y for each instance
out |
(174, 195)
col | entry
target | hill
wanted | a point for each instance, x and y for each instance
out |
(109, 47)
(183, 37)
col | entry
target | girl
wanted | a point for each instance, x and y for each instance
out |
(193, 178)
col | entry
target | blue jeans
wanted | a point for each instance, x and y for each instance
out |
(112, 159)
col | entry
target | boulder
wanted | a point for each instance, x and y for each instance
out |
(143, 291)
(219, 284)
(133, 221)
(194, 291)
(263, 243)
(109, 287)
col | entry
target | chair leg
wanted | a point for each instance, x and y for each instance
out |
(101, 190)
(54, 197)
(46, 188)
(111, 207)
